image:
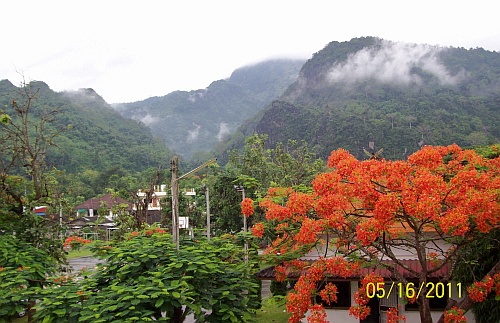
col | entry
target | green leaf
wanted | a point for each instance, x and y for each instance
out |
(60, 312)
(159, 302)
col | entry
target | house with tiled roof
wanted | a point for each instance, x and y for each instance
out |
(91, 206)
(395, 292)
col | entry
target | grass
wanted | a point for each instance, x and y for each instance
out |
(273, 310)
(83, 252)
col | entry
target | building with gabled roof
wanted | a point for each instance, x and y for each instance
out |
(90, 206)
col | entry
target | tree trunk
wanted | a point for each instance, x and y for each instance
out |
(424, 308)
(179, 315)
(466, 303)
(30, 311)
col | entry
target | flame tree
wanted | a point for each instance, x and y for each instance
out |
(430, 206)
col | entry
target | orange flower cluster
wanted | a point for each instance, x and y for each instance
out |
(433, 259)
(361, 310)
(75, 242)
(454, 315)
(247, 207)
(62, 279)
(81, 294)
(480, 290)
(299, 300)
(258, 230)
(393, 317)
(275, 211)
(281, 273)
(318, 314)
(309, 231)
(147, 232)
(329, 293)
(445, 190)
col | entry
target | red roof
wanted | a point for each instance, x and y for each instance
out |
(412, 264)
(95, 203)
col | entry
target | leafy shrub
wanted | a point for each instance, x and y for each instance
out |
(145, 278)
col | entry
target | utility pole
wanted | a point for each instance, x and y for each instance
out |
(60, 214)
(207, 198)
(241, 188)
(174, 167)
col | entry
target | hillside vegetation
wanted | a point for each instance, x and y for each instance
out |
(193, 122)
(372, 93)
(94, 141)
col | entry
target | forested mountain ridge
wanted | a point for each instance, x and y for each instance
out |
(372, 93)
(94, 136)
(195, 121)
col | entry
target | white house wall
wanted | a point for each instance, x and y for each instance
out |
(342, 315)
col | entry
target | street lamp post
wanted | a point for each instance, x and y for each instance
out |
(241, 188)
(174, 167)
(207, 198)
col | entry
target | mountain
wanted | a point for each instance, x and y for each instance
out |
(373, 93)
(195, 121)
(94, 135)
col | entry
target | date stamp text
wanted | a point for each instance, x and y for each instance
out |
(411, 290)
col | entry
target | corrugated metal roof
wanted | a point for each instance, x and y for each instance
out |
(412, 264)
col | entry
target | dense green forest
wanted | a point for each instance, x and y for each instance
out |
(371, 93)
(192, 123)
(94, 147)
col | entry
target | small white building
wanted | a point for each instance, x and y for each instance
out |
(160, 191)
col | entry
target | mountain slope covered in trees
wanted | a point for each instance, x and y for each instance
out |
(93, 135)
(195, 121)
(372, 93)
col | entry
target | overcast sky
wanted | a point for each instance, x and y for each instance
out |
(129, 51)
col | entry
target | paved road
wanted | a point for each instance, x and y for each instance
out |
(76, 264)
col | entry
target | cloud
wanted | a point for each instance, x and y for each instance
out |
(193, 134)
(148, 119)
(393, 62)
(223, 130)
(195, 95)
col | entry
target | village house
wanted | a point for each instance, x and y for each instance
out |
(90, 207)
(394, 291)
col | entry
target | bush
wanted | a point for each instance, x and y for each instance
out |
(145, 276)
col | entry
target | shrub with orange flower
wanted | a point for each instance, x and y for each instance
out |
(75, 242)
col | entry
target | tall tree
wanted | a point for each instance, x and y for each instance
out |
(372, 209)
(26, 134)
(25, 137)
